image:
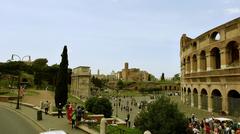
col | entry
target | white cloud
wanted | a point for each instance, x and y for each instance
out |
(232, 10)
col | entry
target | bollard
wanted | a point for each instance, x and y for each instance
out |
(103, 126)
(39, 115)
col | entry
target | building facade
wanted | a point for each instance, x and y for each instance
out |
(132, 74)
(80, 84)
(210, 69)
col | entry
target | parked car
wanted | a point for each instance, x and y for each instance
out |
(220, 119)
(54, 132)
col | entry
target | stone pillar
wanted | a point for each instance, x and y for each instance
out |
(224, 58)
(225, 104)
(181, 94)
(50, 108)
(209, 103)
(41, 104)
(239, 56)
(199, 101)
(198, 63)
(192, 65)
(208, 58)
(103, 126)
(192, 102)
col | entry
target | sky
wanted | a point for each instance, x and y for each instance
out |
(104, 34)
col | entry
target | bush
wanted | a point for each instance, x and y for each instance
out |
(99, 106)
(161, 117)
(89, 103)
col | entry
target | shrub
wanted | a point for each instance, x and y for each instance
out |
(161, 117)
(99, 106)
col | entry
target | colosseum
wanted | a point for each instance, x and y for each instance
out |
(210, 69)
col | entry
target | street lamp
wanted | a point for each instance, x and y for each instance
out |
(19, 78)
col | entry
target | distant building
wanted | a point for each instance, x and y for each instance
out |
(132, 74)
(80, 85)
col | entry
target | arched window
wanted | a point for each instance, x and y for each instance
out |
(215, 58)
(203, 61)
(233, 53)
(215, 36)
(194, 62)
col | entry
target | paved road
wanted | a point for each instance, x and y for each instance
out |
(13, 123)
(127, 101)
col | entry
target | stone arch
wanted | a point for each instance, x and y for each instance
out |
(195, 97)
(203, 61)
(216, 101)
(233, 53)
(194, 62)
(215, 58)
(194, 45)
(204, 99)
(233, 103)
(188, 64)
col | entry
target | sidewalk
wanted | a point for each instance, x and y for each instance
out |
(48, 121)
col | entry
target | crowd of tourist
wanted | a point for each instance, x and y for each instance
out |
(74, 114)
(210, 126)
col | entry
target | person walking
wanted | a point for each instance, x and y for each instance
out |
(69, 112)
(60, 110)
(79, 115)
(74, 119)
(46, 107)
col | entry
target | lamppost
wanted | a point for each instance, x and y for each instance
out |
(19, 78)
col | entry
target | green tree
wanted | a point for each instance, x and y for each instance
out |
(97, 82)
(99, 106)
(162, 77)
(61, 92)
(89, 103)
(38, 67)
(176, 77)
(120, 84)
(162, 117)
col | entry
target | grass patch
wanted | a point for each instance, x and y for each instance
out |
(73, 99)
(122, 130)
(30, 92)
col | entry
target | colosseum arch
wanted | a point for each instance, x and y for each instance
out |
(194, 62)
(215, 58)
(195, 97)
(194, 45)
(233, 103)
(203, 61)
(204, 99)
(233, 53)
(216, 101)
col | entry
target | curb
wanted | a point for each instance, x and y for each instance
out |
(26, 116)
(83, 128)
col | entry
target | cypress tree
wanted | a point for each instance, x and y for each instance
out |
(61, 92)
(162, 77)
